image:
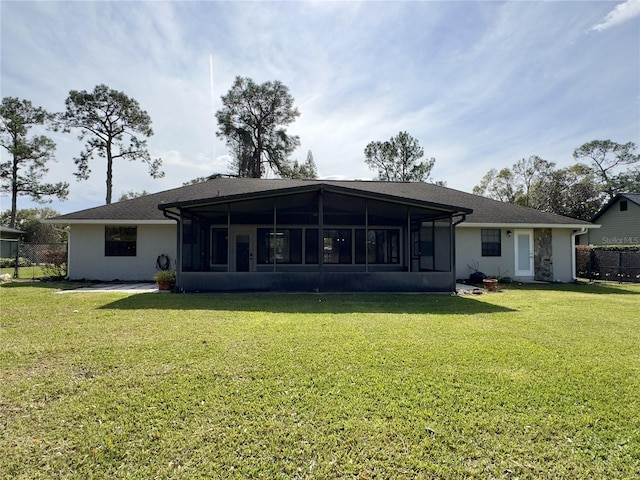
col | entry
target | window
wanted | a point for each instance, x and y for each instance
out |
(283, 246)
(120, 241)
(491, 242)
(336, 246)
(623, 205)
(219, 246)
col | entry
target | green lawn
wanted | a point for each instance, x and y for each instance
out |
(31, 272)
(531, 382)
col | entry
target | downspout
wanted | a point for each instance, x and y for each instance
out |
(582, 231)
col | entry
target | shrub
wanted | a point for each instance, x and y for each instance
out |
(55, 264)
(11, 262)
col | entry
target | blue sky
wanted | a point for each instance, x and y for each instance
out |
(479, 84)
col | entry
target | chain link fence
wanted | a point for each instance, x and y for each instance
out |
(36, 260)
(608, 263)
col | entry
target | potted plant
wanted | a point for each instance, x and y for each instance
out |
(491, 284)
(165, 279)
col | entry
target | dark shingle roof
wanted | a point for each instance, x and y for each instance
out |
(485, 210)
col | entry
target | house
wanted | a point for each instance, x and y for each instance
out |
(619, 221)
(230, 234)
(9, 238)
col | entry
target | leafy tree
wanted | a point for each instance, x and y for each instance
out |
(606, 158)
(131, 194)
(112, 124)
(529, 172)
(627, 181)
(204, 179)
(397, 159)
(29, 220)
(499, 185)
(570, 191)
(26, 165)
(536, 183)
(515, 184)
(305, 171)
(197, 180)
(252, 122)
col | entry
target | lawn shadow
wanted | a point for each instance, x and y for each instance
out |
(53, 284)
(311, 303)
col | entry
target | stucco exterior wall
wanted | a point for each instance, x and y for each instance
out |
(88, 261)
(469, 250)
(562, 255)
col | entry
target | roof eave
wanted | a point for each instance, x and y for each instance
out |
(527, 225)
(105, 221)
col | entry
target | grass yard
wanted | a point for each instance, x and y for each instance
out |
(531, 382)
(25, 273)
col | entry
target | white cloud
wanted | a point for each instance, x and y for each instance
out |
(620, 14)
(479, 84)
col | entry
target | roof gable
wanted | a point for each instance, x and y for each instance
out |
(632, 197)
(255, 188)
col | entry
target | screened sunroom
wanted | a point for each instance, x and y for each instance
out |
(317, 237)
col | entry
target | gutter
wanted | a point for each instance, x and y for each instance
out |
(582, 231)
(171, 215)
(463, 217)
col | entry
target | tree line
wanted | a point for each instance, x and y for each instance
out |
(253, 122)
(111, 125)
(603, 168)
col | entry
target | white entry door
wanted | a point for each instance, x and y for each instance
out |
(524, 253)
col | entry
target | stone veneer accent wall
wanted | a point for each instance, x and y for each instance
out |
(543, 255)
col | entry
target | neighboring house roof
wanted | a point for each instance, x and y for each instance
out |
(479, 210)
(10, 231)
(632, 197)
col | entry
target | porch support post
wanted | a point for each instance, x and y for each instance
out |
(321, 230)
(366, 235)
(273, 239)
(228, 237)
(408, 255)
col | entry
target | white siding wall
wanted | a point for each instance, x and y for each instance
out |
(87, 259)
